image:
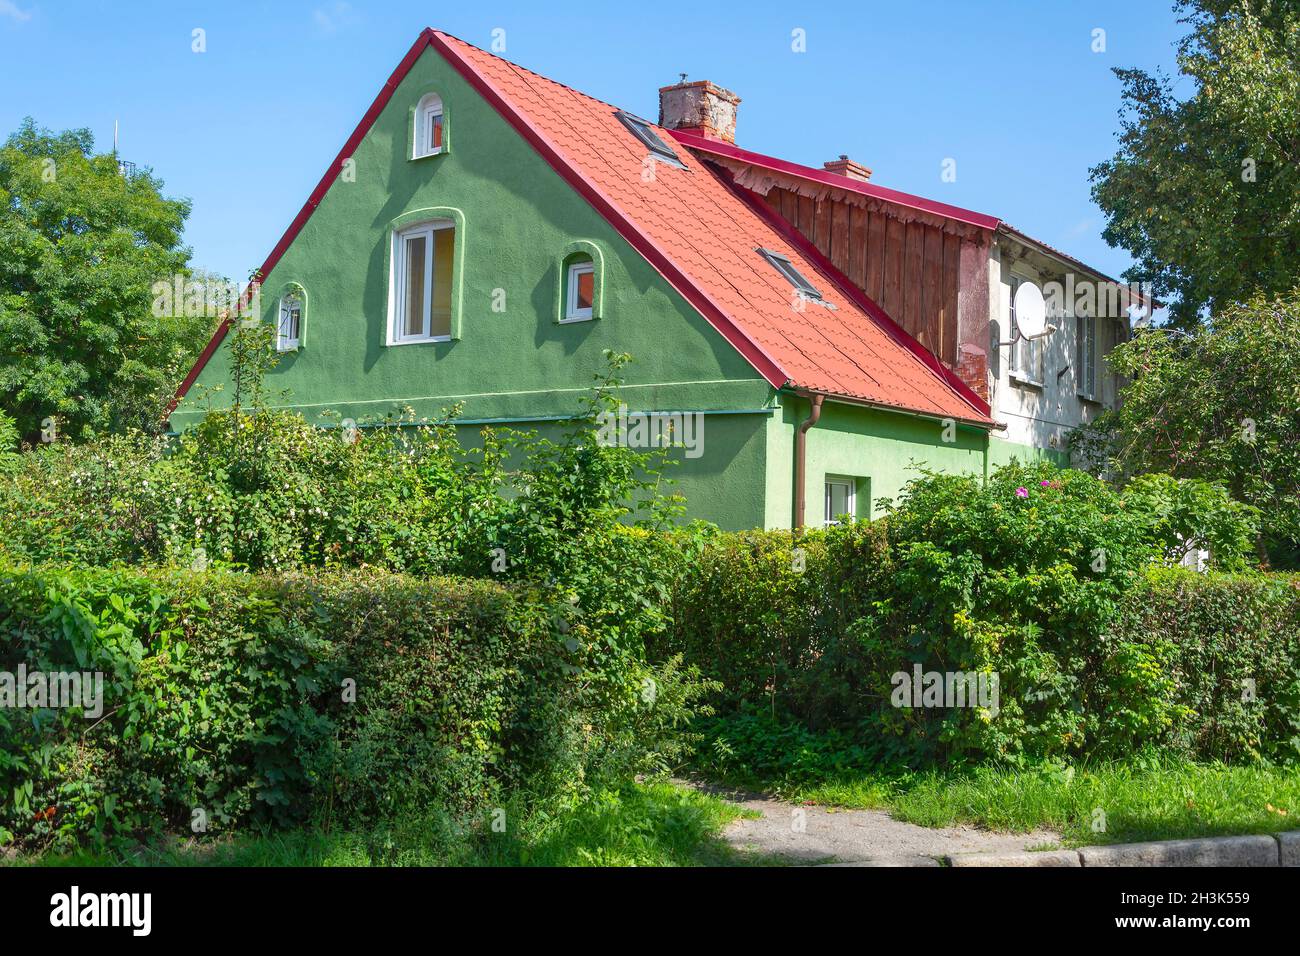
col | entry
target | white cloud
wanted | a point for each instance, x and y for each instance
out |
(329, 18)
(11, 10)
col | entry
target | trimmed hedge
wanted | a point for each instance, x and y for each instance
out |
(1048, 580)
(226, 692)
(1235, 642)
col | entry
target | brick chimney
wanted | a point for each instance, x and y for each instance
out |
(847, 167)
(973, 368)
(699, 107)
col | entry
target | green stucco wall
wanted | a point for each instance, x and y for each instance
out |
(520, 221)
(880, 449)
(724, 483)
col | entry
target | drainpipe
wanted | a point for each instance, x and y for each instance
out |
(800, 454)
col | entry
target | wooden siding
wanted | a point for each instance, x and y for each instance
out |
(911, 269)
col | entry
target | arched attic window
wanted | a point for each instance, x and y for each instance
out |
(293, 309)
(429, 133)
(581, 272)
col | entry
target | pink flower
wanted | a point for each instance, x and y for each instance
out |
(1022, 492)
(1044, 482)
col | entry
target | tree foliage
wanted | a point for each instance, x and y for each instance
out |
(1204, 190)
(1222, 405)
(80, 246)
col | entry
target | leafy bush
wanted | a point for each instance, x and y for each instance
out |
(758, 749)
(546, 705)
(277, 700)
(1030, 579)
(8, 444)
(1219, 405)
(1235, 659)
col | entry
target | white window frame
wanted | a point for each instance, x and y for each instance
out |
(1085, 328)
(851, 499)
(1032, 348)
(429, 107)
(398, 279)
(571, 311)
(284, 343)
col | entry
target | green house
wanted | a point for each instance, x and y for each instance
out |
(485, 235)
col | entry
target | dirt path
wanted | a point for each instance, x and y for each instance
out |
(813, 834)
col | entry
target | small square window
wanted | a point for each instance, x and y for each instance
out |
(581, 292)
(841, 499)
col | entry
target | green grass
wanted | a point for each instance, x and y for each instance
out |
(653, 824)
(1158, 801)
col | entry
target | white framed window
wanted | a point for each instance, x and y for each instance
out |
(1085, 328)
(1026, 366)
(289, 330)
(841, 499)
(581, 284)
(428, 134)
(420, 284)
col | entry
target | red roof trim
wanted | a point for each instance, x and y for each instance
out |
(309, 207)
(698, 142)
(863, 301)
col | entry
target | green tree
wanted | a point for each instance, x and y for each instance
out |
(81, 245)
(1204, 190)
(1221, 405)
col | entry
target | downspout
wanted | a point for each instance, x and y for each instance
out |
(800, 454)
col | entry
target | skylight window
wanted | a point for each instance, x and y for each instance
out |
(641, 130)
(784, 266)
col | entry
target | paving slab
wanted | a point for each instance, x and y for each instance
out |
(816, 834)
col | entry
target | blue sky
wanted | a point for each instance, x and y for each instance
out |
(1010, 89)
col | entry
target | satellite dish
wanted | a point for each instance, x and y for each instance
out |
(1031, 310)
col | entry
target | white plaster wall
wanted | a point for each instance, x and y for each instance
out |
(1043, 417)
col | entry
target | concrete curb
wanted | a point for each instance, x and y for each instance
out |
(1045, 858)
(1278, 849)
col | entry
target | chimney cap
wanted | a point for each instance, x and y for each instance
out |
(707, 86)
(847, 168)
(700, 106)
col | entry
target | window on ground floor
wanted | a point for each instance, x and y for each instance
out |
(841, 500)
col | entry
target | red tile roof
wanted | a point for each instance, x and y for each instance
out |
(702, 234)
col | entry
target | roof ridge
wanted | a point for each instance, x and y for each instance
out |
(524, 69)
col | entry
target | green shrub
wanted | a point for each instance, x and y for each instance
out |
(1234, 657)
(1031, 578)
(758, 749)
(231, 694)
